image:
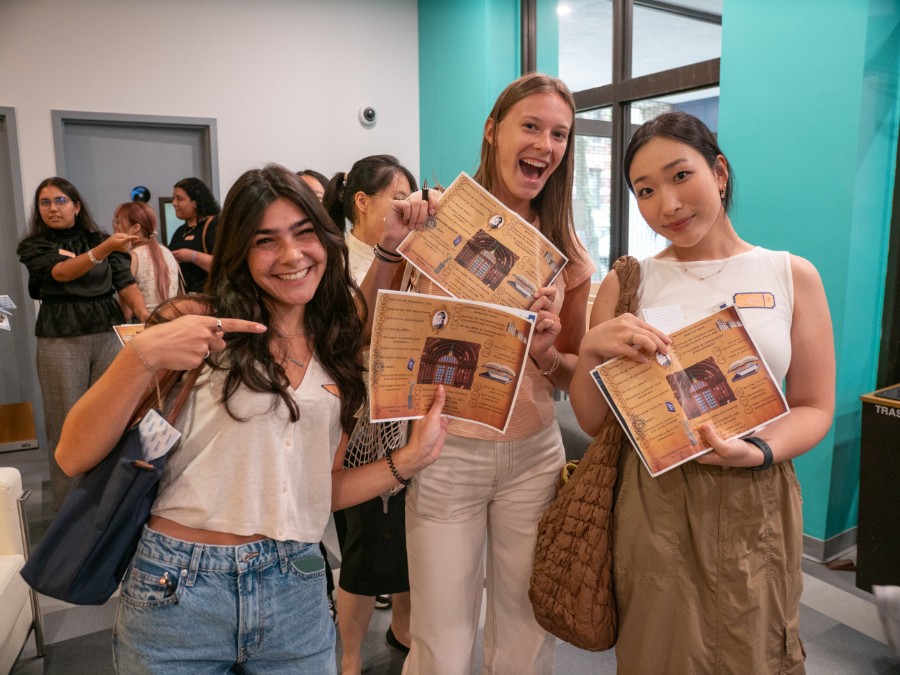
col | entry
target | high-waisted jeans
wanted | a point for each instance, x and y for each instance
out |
(193, 608)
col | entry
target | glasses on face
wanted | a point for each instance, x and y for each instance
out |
(60, 202)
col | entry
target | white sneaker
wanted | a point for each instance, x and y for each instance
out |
(888, 600)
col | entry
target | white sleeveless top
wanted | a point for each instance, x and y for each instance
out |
(758, 281)
(146, 275)
(265, 475)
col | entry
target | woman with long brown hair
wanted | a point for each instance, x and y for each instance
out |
(234, 532)
(490, 488)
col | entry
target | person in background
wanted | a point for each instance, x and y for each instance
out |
(315, 180)
(192, 244)
(228, 576)
(707, 555)
(372, 534)
(75, 270)
(153, 266)
(490, 488)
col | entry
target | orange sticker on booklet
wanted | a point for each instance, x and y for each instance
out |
(761, 300)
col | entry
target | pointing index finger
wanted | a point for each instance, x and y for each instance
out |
(241, 326)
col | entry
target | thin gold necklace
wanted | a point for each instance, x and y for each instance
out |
(708, 276)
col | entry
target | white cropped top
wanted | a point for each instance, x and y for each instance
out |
(265, 475)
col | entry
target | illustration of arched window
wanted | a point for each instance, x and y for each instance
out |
(446, 368)
(448, 362)
(486, 258)
(700, 388)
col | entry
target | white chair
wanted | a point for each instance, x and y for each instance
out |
(19, 610)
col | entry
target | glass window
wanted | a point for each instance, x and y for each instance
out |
(585, 43)
(592, 190)
(664, 40)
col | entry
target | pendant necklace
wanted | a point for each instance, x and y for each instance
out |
(708, 276)
(296, 362)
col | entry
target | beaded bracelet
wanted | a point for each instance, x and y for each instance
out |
(400, 479)
(194, 256)
(93, 258)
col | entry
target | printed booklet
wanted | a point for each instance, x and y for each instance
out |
(713, 373)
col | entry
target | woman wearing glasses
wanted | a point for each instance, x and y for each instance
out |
(75, 270)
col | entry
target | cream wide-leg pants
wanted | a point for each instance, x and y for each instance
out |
(479, 492)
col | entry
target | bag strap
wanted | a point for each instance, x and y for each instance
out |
(628, 270)
(166, 383)
(203, 235)
(187, 383)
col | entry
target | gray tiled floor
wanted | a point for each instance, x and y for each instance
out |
(839, 623)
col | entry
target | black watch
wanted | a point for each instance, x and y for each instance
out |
(766, 451)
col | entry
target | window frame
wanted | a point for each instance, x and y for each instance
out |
(623, 91)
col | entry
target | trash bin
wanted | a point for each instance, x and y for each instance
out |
(878, 532)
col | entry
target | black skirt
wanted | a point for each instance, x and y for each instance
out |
(373, 547)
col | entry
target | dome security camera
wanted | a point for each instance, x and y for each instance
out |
(367, 116)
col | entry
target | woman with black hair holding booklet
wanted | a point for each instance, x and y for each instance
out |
(488, 487)
(707, 555)
(228, 574)
(373, 534)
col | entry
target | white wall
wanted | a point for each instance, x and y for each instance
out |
(284, 78)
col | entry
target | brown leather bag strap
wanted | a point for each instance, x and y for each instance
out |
(166, 382)
(187, 383)
(628, 270)
(203, 235)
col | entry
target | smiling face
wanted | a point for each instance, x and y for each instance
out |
(286, 259)
(677, 191)
(185, 207)
(529, 144)
(57, 210)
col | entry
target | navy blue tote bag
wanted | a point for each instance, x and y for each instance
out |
(89, 545)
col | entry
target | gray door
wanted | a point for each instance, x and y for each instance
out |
(106, 155)
(18, 374)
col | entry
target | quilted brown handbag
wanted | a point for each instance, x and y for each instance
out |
(571, 584)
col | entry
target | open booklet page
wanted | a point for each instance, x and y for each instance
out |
(713, 373)
(477, 351)
(477, 249)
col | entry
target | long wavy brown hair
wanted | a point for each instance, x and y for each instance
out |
(332, 317)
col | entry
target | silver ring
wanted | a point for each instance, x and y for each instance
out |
(219, 326)
(207, 354)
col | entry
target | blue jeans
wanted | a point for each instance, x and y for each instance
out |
(255, 608)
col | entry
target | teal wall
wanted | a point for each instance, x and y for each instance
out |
(808, 117)
(468, 52)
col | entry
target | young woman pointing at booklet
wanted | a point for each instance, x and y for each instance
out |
(707, 555)
(228, 573)
(487, 486)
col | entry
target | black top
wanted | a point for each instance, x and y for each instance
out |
(193, 238)
(85, 305)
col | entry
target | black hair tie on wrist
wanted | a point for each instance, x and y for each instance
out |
(400, 479)
(766, 451)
